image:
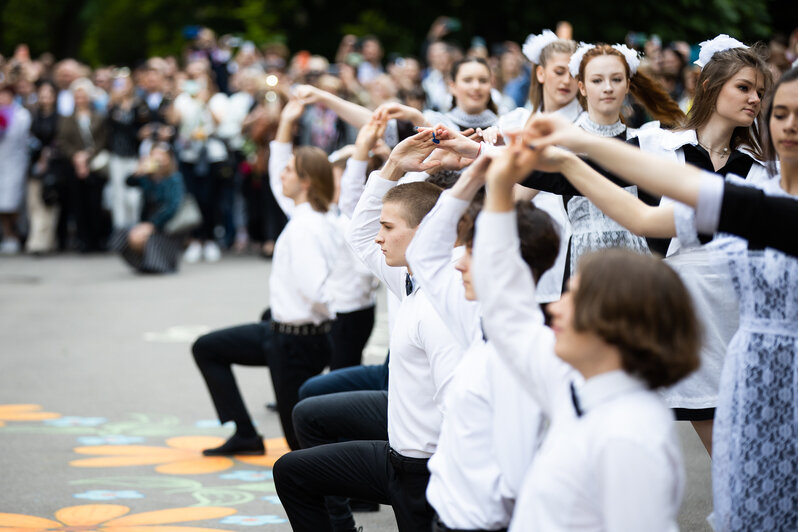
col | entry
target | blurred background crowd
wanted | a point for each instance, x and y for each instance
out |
(71, 135)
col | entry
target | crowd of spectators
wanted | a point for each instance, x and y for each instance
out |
(70, 135)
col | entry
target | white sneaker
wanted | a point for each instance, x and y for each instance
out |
(9, 246)
(193, 253)
(211, 252)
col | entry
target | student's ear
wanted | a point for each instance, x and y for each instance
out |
(540, 73)
(582, 90)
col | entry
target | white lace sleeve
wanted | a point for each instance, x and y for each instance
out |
(684, 220)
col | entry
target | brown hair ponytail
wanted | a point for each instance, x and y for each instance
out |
(312, 163)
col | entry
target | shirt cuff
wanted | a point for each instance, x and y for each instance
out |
(353, 165)
(708, 206)
(452, 204)
(377, 185)
(498, 228)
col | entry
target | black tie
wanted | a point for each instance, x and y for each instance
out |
(408, 284)
(575, 400)
(482, 327)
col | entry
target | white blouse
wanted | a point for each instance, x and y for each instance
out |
(615, 467)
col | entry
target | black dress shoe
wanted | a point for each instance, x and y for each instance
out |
(238, 445)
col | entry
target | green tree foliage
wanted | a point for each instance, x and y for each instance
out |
(127, 31)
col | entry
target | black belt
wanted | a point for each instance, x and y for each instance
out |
(305, 329)
(438, 526)
(407, 464)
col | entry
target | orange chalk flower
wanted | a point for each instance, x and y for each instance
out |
(24, 413)
(112, 518)
(183, 456)
(275, 448)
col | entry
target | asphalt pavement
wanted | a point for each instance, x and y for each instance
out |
(103, 412)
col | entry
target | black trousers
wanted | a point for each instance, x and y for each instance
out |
(86, 202)
(340, 417)
(291, 360)
(350, 332)
(368, 470)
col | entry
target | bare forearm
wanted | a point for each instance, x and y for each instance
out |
(656, 175)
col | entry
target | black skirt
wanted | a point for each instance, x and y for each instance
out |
(161, 254)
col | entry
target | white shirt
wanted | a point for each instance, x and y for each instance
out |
(304, 257)
(195, 114)
(351, 285)
(423, 353)
(618, 467)
(492, 425)
(549, 287)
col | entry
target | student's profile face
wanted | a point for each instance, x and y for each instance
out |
(572, 346)
(605, 84)
(463, 265)
(394, 235)
(784, 122)
(292, 183)
(559, 85)
(740, 99)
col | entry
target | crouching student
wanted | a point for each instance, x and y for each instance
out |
(147, 246)
(611, 459)
(423, 357)
(295, 341)
(492, 425)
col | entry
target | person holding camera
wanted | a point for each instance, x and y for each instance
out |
(148, 246)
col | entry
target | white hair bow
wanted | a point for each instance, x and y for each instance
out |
(535, 44)
(721, 43)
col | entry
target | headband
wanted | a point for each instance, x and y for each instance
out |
(535, 44)
(721, 43)
(630, 56)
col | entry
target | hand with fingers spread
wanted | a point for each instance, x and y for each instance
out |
(368, 136)
(410, 155)
(394, 110)
(452, 140)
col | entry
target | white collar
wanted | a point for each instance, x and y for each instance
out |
(303, 208)
(676, 139)
(612, 130)
(606, 387)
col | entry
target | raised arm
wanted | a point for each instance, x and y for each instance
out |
(430, 256)
(351, 113)
(353, 180)
(406, 156)
(654, 174)
(281, 150)
(747, 212)
(504, 284)
(615, 202)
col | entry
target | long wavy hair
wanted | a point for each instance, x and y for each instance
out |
(720, 69)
